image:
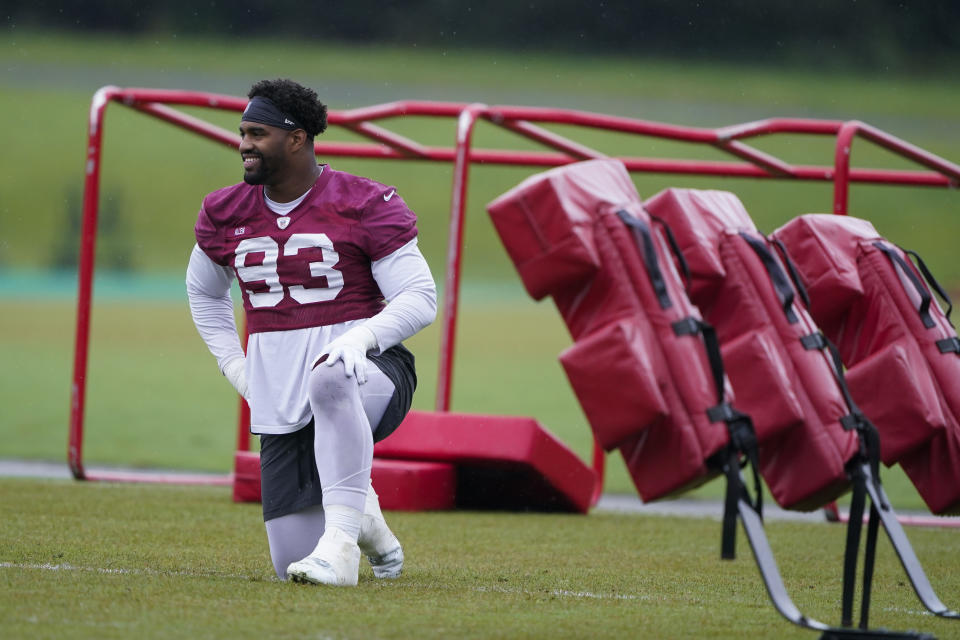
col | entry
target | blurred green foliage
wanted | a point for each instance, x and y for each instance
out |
(833, 33)
(154, 176)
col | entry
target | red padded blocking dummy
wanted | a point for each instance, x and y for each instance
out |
(579, 234)
(789, 389)
(902, 352)
(447, 460)
(502, 462)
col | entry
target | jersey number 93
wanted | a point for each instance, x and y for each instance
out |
(266, 272)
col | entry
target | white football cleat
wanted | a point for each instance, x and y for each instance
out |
(335, 561)
(381, 547)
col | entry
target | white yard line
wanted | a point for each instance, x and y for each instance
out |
(562, 593)
(65, 566)
(559, 593)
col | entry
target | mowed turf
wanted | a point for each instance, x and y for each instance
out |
(91, 560)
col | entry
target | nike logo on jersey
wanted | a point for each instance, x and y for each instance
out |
(387, 196)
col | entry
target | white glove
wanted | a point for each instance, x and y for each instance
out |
(236, 372)
(351, 348)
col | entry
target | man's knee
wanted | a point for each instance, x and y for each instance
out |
(329, 384)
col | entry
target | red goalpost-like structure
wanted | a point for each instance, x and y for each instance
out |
(425, 453)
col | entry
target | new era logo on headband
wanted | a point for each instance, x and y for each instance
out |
(261, 109)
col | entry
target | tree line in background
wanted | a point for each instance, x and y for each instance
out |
(896, 35)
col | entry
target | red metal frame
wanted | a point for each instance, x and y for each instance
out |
(523, 121)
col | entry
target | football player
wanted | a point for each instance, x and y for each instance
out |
(332, 282)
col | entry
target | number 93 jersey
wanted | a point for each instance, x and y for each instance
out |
(310, 267)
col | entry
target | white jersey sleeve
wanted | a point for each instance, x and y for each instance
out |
(405, 280)
(208, 292)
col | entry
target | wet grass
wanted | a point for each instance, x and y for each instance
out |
(90, 560)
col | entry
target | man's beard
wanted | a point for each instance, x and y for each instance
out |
(260, 175)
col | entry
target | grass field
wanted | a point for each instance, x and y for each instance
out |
(121, 561)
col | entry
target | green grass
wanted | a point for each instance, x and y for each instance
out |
(90, 560)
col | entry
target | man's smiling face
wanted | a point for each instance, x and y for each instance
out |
(263, 151)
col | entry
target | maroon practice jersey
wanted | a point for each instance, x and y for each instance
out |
(310, 267)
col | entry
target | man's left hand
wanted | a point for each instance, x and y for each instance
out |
(351, 348)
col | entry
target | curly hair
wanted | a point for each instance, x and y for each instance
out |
(300, 102)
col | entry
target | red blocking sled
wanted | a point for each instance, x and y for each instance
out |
(901, 350)
(780, 370)
(580, 235)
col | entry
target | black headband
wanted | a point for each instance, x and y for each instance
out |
(262, 110)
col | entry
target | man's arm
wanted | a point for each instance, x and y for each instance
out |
(405, 280)
(208, 292)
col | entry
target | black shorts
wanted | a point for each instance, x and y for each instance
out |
(288, 468)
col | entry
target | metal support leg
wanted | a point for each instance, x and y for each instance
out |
(852, 551)
(869, 556)
(911, 565)
(763, 555)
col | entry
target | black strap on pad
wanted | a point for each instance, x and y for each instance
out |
(928, 276)
(781, 283)
(743, 439)
(792, 270)
(641, 232)
(677, 254)
(921, 290)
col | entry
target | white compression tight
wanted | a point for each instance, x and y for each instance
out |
(343, 413)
